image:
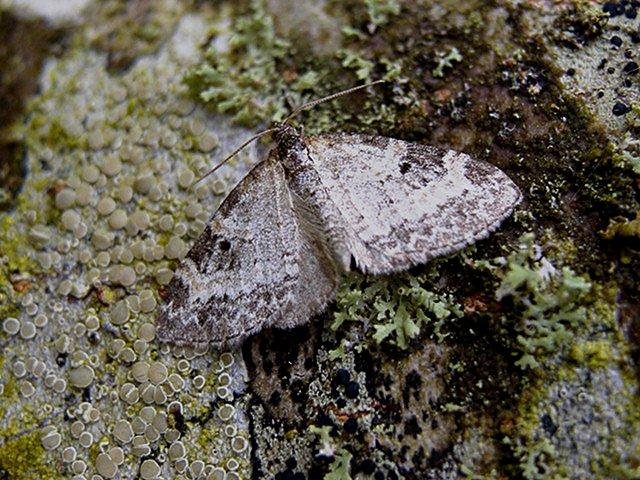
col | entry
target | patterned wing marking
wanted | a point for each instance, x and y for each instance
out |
(251, 268)
(403, 203)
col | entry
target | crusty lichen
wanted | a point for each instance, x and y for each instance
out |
(68, 262)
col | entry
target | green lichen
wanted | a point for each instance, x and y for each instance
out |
(566, 333)
(24, 458)
(363, 67)
(254, 81)
(357, 63)
(245, 81)
(379, 11)
(397, 307)
(446, 61)
(549, 303)
(340, 468)
(533, 457)
(399, 322)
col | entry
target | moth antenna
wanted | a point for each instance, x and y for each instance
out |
(313, 103)
(232, 154)
(295, 112)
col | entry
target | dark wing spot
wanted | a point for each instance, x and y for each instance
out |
(202, 249)
(224, 245)
(404, 167)
(178, 292)
(208, 310)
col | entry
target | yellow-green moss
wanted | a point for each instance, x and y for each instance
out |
(622, 227)
(629, 467)
(24, 458)
(209, 436)
(10, 391)
(12, 246)
(595, 354)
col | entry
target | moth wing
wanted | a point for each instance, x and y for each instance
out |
(252, 267)
(404, 203)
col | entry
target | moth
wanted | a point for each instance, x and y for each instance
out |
(317, 207)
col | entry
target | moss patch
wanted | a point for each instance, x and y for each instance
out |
(24, 458)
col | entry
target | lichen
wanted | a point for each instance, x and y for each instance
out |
(261, 75)
(396, 307)
(82, 266)
(379, 11)
(566, 333)
(549, 302)
(245, 81)
(340, 467)
(446, 61)
(429, 393)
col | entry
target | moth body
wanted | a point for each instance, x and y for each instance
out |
(314, 206)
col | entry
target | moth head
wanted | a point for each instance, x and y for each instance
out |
(286, 135)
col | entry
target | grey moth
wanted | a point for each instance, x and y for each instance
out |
(317, 207)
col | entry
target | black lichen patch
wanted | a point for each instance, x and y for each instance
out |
(281, 367)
